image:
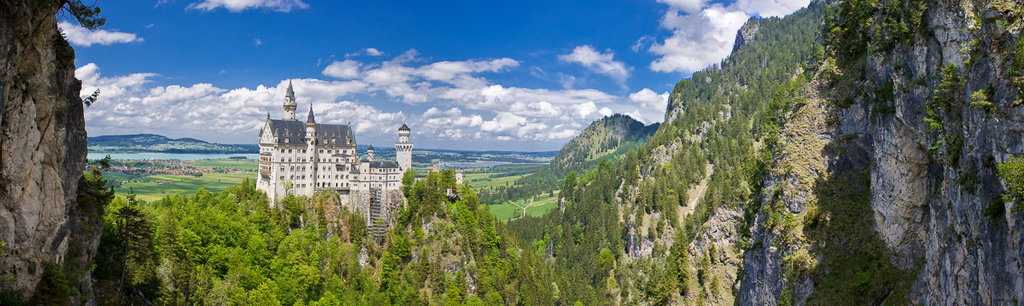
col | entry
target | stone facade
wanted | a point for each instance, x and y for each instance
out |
(301, 158)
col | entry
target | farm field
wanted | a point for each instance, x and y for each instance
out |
(539, 206)
(147, 188)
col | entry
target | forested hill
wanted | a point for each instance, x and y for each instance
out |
(152, 143)
(608, 138)
(665, 224)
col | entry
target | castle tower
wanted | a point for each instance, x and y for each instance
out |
(369, 152)
(311, 149)
(289, 103)
(403, 148)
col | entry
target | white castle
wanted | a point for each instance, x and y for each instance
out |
(301, 158)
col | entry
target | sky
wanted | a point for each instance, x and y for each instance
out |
(468, 75)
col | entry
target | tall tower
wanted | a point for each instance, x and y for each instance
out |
(311, 149)
(403, 148)
(289, 103)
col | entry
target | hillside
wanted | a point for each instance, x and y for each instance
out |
(151, 143)
(608, 138)
(672, 217)
(877, 162)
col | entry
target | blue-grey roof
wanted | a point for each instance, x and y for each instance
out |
(383, 164)
(290, 93)
(403, 127)
(294, 131)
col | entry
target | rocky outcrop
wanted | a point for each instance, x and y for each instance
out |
(746, 33)
(930, 206)
(934, 204)
(42, 142)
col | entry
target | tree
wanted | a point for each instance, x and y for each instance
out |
(86, 15)
(136, 236)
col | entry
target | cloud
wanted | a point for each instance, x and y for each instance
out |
(373, 52)
(689, 6)
(459, 103)
(601, 63)
(770, 8)
(650, 105)
(347, 69)
(235, 6)
(257, 42)
(83, 37)
(704, 36)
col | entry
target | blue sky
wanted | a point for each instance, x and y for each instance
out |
(477, 75)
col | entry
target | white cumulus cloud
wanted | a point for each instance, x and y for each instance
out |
(601, 63)
(83, 37)
(235, 6)
(705, 35)
(650, 105)
(347, 69)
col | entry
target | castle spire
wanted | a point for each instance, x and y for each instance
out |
(289, 102)
(291, 92)
(309, 118)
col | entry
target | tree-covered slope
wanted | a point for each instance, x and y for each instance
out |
(230, 247)
(667, 223)
(137, 143)
(608, 138)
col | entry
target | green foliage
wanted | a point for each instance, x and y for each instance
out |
(995, 209)
(980, 99)
(230, 247)
(946, 108)
(53, 288)
(854, 263)
(86, 15)
(1012, 173)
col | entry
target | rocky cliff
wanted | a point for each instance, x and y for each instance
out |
(42, 143)
(911, 122)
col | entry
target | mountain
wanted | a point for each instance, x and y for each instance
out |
(608, 138)
(159, 144)
(875, 162)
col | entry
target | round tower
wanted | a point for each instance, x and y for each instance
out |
(289, 103)
(403, 148)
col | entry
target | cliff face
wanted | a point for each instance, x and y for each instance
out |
(42, 142)
(931, 193)
(930, 206)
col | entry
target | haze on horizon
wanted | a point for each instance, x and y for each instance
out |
(523, 76)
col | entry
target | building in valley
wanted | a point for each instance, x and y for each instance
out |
(300, 158)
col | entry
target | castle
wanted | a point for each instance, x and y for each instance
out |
(301, 158)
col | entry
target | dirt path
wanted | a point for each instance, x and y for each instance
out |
(696, 193)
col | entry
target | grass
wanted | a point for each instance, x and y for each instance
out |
(484, 180)
(541, 205)
(147, 189)
(505, 212)
(240, 164)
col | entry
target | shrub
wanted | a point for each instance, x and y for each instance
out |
(1012, 173)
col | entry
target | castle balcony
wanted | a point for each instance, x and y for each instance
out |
(265, 164)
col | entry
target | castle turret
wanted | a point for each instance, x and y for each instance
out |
(369, 152)
(311, 148)
(403, 148)
(289, 103)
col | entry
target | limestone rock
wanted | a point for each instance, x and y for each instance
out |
(42, 141)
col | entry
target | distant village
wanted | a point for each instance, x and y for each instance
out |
(172, 167)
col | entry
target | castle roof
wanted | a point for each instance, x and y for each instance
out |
(383, 164)
(404, 127)
(290, 93)
(309, 118)
(294, 132)
(370, 148)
